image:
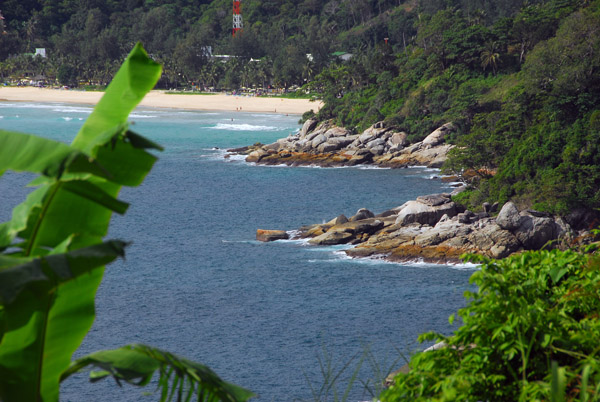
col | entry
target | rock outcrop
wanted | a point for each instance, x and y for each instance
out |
(271, 235)
(433, 228)
(326, 145)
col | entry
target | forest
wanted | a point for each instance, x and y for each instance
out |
(520, 79)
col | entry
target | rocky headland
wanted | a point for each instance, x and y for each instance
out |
(432, 228)
(328, 145)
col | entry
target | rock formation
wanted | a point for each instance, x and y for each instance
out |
(271, 235)
(433, 228)
(325, 145)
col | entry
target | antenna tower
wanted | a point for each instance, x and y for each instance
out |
(237, 16)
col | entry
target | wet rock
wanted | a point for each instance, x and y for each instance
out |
(271, 235)
(332, 238)
(256, 156)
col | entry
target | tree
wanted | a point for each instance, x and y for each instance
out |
(54, 254)
(490, 57)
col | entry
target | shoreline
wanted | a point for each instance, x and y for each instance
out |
(160, 99)
(432, 228)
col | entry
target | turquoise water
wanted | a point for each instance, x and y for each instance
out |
(196, 282)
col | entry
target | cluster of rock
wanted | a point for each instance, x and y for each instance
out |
(435, 229)
(326, 145)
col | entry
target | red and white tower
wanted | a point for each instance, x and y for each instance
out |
(237, 16)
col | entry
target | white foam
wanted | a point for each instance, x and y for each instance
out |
(68, 109)
(372, 167)
(141, 116)
(235, 158)
(67, 118)
(243, 127)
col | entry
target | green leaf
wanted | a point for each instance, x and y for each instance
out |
(135, 78)
(94, 193)
(48, 307)
(558, 383)
(136, 364)
(23, 152)
(49, 300)
(556, 273)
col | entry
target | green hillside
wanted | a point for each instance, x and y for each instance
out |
(520, 80)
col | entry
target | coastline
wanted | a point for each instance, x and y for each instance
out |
(160, 99)
(431, 228)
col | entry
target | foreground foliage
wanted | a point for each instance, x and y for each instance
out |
(54, 254)
(530, 333)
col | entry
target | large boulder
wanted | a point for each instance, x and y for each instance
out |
(341, 219)
(341, 142)
(327, 147)
(308, 126)
(256, 156)
(375, 143)
(437, 136)
(345, 232)
(415, 211)
(361, 214)
(318, 140)
(534, 232)
(434, 199)
(442, 231)
(509, 218)
(271, 235)
(493, 239)
(398, 138)
(337, 132)
(371, 133)
(331, 238)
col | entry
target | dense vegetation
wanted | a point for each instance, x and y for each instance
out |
(530, 333)
(522, 88)
(519, 79)
(87, 39)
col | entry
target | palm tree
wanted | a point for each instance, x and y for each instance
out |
(490, 57)
(307, 70)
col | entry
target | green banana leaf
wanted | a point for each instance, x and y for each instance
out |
(54, 256)
(136, 364)
(47, 302)
(45, 318)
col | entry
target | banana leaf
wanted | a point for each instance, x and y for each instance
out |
(54, 254)
(136, 364)
(47, 301)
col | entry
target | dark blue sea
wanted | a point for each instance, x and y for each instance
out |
(262, 315)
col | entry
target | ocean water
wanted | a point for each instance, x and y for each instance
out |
(196, 282)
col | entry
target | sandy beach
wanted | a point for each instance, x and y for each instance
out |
(160, 99)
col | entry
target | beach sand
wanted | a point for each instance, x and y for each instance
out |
(220, 101)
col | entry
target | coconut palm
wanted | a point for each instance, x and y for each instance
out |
(490, 57)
